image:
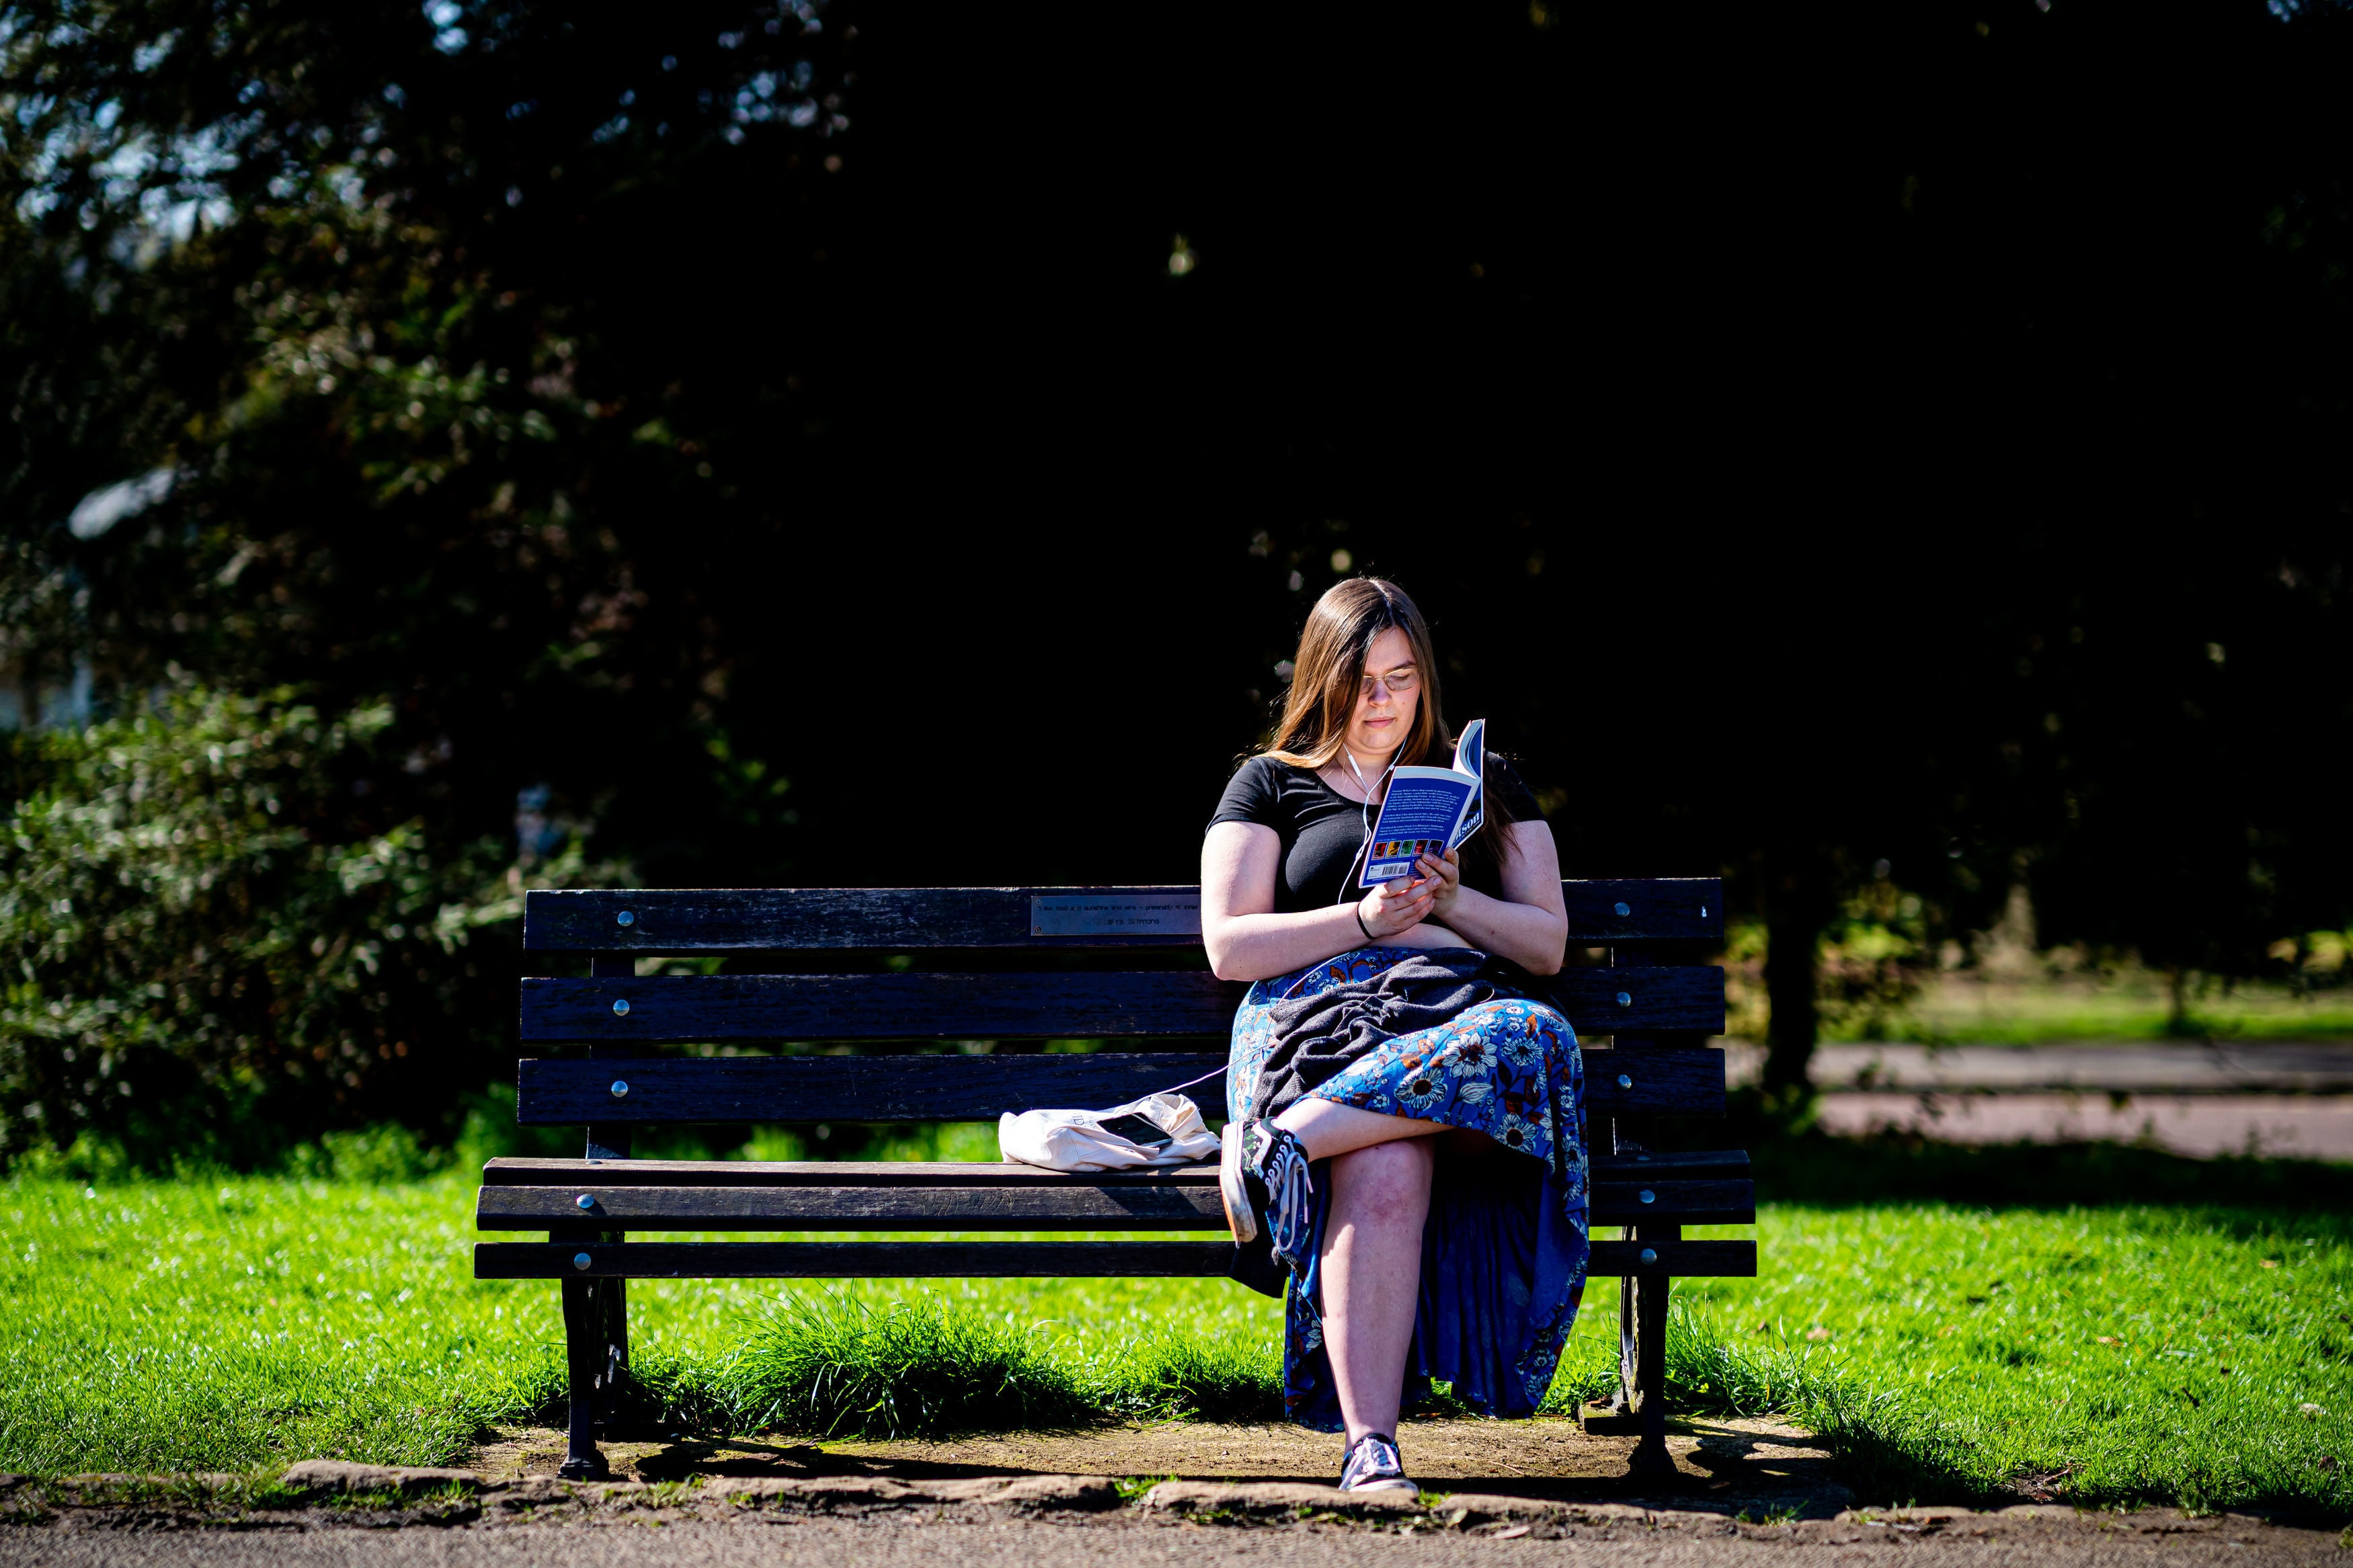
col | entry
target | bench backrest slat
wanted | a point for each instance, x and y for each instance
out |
(1676, 1080)
(1027, 993)
(696, 1007)
(917, 920)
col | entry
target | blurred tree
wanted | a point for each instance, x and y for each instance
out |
(365, 294)
(1823, 438)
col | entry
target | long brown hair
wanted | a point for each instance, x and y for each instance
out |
(1328, 672)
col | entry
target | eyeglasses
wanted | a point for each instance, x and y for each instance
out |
(1400, 682)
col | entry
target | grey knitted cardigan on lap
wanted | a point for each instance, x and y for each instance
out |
(1316, 1038)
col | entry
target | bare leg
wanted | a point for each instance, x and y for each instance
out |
(1380, 1174)
(1372, 1273)
(1325, 1128)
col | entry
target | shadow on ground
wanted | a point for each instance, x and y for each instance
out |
(1758, 1469)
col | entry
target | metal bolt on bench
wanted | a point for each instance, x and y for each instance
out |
(809, 974)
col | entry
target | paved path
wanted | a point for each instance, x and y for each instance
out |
(2283, 1101)
(808, 1542)
(2127, 1068)
(2306, 1127)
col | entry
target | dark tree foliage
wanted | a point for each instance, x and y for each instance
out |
(367, 289)
(396, 295)
(1969, 395)
(2086, 402)
(1858, 435)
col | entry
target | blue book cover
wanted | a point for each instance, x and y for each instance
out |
(1427, 810)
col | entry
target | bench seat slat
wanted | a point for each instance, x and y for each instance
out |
(517, 1171)
(988, 1260)
(1027, 1006)
(1079, 1205)
(854, 1260)
(1706, 1259)
(532, 1171)
(1685, 1080)
(915, 920)
(1038, 1206)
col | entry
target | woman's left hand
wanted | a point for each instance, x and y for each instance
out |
(1446, 880)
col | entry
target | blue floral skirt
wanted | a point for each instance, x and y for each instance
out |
(1504, 1253)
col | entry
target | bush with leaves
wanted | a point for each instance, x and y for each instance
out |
(208, 949)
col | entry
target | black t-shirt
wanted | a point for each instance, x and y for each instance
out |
(1322, 829)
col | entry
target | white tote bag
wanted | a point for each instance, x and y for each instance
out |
(1163, 1128)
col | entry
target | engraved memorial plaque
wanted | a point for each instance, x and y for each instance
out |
(1115, 914)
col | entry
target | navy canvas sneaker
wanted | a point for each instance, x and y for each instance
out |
(1263, 1179)
(1373, 1466)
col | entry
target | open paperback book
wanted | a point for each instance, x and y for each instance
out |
(1429, 810)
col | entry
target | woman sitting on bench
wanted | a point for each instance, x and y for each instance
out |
(1405, 1133)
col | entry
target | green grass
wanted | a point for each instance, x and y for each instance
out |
(241, 1323)
(2128, 1004)
(226, 1326)
(2123, 1354)
(2119, 1356)
(838, 1365)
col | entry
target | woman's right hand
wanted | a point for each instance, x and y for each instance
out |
(1397, 905)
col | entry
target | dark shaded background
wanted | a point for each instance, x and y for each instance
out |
(1835, 447)
(1079, 449)
(1819, 438)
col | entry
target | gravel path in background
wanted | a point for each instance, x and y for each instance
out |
(2203, 1126)
(2284, 1102)
(2130, 1066)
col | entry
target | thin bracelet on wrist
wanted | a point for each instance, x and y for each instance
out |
(1361, 926)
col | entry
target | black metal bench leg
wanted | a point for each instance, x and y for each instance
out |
(1622, 1403)
(613, 1368)
(603, 1340)
(1650, 1458)
(585, 1352)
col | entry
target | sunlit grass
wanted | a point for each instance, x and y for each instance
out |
(2122, 1005)
(230, 1324)
(217, 1327)
(2114, 1353)
(2195, 1356)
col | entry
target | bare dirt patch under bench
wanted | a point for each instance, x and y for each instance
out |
(1759, 1467)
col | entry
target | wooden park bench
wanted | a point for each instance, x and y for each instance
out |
(926, 965)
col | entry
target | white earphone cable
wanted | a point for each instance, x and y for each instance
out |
(1366, 814)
